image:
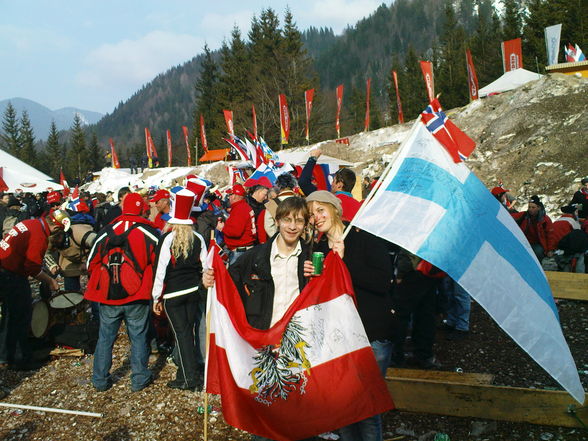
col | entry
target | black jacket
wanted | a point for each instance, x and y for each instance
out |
(253, 277)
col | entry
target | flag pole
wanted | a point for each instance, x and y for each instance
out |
(206, 351)
(376, 187)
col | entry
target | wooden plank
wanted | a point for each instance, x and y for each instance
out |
(441, 376)
(571, 286)
(503, 403)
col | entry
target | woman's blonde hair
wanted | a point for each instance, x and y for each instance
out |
(183, 240)
(337, 226)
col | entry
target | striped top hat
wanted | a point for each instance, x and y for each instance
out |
(182, 208)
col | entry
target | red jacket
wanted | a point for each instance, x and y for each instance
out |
(240, 229)
(537, 231)
(563, 226)
(349, 204)
(23, 248)
(143, 241)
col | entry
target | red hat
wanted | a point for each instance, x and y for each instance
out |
(198, 187)
(182, 208)
(497, 191)
(83, 207)
(159, 195)
(53, 197)
(236, 189)
(133, 204)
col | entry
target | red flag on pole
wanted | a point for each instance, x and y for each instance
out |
(151, 152)
(512, 54)
(472, 77)
(398, 102)
(169, 148)
(115, 163)
(187, 141)
(308, 96)
(284, 118)
(277, 383)
(203, 135)
(339, 105)
(427, 69)
(367, 105)
(229, 121)
(254, 115)
(3, 186)
(64, 183)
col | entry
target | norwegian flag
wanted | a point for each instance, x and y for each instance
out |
(64, 183)
(574, 54)
(457, 143)
(75, 204)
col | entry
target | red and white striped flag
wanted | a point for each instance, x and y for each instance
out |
(312, 372)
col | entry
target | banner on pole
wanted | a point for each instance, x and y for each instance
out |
(284, 118)
(398, 102)
(115, 163)
(552, 35)
(368, 87)
(169, 148)
(339, 105)
(187, 141)
(308, 96)
(229, 121)
(427, 69)
(472, 77)
(203, 135)
(254, 115)
(512, 55)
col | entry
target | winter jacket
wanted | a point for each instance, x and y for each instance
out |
(349, 204)
(143, 241)
(252, 275)
(240, 229)
(562, 226)
(72, 259)
(176, 277)
(581, 197)
(538, 230)
(23, 248)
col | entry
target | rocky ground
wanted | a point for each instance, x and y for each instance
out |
(159, 413)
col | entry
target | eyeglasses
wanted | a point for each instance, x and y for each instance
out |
(289, 221)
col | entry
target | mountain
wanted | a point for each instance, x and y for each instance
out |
(42, 116)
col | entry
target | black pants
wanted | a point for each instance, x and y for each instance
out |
(15, 325)
(415, 296)
(182, 312)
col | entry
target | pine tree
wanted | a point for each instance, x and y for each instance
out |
(54, 152)
(412, 86)
(95, 158)
(27, 140)
(77, 154)
(485, 44)
(9, 138)
(512, 20)
(451, 75)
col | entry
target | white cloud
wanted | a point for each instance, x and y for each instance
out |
(131, 63)
(339, 13)
(219, 26)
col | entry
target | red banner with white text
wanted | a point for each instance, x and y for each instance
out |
(284, 118)
(398, 102)
(308, 97)
(203, 135)
(169, 148)
(339, 105)
(229, 121)
(512, 55)
(187, 141)
(427, 69)
(472, 77)
(115, 163)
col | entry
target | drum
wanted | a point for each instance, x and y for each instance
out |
(68, 307)
(39, 318)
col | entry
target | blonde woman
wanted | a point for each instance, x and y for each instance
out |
(325, 209)
(177, 288)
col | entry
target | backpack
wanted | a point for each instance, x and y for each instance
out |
(121, 270)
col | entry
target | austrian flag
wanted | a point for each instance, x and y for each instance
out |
(312, 372)
(457, 143)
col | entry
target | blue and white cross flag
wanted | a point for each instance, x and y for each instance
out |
(440, 211)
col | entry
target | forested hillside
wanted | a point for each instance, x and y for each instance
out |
(274, 56)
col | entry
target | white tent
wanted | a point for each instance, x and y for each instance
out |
(509, 81)
(18, 175)
(300, 158)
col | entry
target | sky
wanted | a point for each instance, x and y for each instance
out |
(94, 54)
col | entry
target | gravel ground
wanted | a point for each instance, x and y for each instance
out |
(158, 413)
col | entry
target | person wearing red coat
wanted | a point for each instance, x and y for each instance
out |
(21, 257)
(240, 231)
(566, 223)
(537, 227)
(133, 309)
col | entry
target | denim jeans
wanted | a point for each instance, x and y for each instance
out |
(15, 323)
(539, 251)
(136, 317)
(459, 305)
(72, 283)
(234, 255)
(370, 429)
